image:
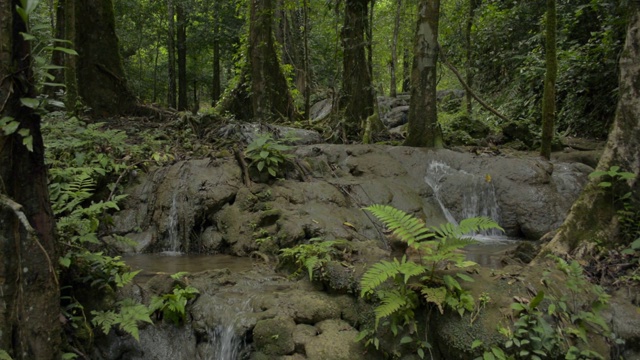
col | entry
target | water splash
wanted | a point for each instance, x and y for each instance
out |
(224, 341)
(174, 242)
(478, 199)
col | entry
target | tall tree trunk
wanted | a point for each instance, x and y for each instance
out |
(549, 96)
(171, 52)
(423, 129)
(357, 98)
(594, 216)
(70, 61)
(473, 5)
(181, 18)
(271, 99)
(307, 61)
(406, 71)
(57, 57)
(29, 294)
(216, 85)
(393, 86)
(101, 80)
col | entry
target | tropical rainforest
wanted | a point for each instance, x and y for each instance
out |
(92, 92)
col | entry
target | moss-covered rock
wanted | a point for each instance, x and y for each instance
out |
(275, 336)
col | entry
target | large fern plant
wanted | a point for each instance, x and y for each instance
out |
(400, 284)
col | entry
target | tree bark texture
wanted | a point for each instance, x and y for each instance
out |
(549, 95)
(473, 5)
(171, 53)
(593, 217)
(357, 97)
(29, 294)
(70, 61)
(393, 86)
(270, 96)
(101, 80)
(423, 129)
(181, 18)
(216, 86)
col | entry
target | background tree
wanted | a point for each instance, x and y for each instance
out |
(101, 79)
(549, 95)
(423, 129)
(171, 53)
(393, 86)
(357, 95)
(270, 98)
(595, 216)
(181, 22)
(29, 300)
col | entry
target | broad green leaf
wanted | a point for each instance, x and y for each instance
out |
(476, 343)
(30, 102)
(11, 127)
(536, 300)
(27, 36)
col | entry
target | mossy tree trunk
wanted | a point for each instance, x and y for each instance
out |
(423, 129)
(29, 294)
(357, 96)
(549, 95)
(594, 217)
(393, 85)
(171, 53)
(181, 18)
(473, 5)
(270, 98)
(101, 80)
(70, 61)
(217, 82)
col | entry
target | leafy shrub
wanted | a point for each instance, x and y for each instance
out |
(401, 284)
(268, 155)
(312, 256)
(173, 306)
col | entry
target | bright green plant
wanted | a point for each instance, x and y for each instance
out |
(128, 314)
(4, 355)
(312, 256)
(400, 285)
(173, 306)
(554, 325)
(627, 208)
(268, 155)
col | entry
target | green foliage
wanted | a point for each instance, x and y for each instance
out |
(312, 256)
(400, 284)
(127, 317)
(4, 355)
(627, 208)
(173, 306)
(268, 155)
(555, 325)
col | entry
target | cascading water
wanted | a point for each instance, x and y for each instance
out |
(479, 198)
(174, 242)
(224, 341)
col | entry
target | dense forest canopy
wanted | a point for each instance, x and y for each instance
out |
(506, 47)
(71, 64)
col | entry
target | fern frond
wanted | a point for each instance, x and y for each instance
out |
(378, 274)
(453, 234)
(406, 227)
(410, 268)
(391, 302)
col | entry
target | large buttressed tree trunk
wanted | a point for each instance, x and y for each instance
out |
(423, 127)
(101, 79)
(593, 216)
(357, 96)
(270, 98)
(29, 295)
(181, 17)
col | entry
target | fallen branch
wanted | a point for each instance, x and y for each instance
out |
(17, 210)
(468, 89)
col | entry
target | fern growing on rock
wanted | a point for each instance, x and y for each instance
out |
(400, 284)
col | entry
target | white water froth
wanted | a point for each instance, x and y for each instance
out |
(479, 198)
(224, 341)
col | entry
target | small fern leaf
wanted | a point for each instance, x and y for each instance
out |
(410, 268)
(436, 296)
(378, 274)
(406, 227)
(391, 302)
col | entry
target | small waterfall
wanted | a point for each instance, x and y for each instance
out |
(436, 171)
(174, 241)
(224, 341)
(479, 197)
